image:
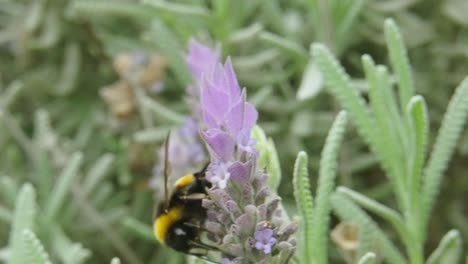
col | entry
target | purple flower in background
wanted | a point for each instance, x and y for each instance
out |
(264, 240)
(186, 153)
(227, 261)
(201, 59)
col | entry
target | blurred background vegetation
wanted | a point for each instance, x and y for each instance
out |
(90, 87)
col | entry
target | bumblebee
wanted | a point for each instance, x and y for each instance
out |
(179, 217)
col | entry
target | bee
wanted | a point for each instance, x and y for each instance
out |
(180, 216)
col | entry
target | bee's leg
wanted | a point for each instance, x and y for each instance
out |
(196, 225)
(193, 197)
(202, 256)
(202, 245)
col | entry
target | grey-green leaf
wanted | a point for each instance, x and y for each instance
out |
(452, 125)
(33, 249)
(368, 258)
(24, 216)
(449, 249)
(304, 204)
(326, 184)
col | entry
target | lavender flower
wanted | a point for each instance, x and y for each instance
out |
(264, 240)
(201, 61)
(243, 217)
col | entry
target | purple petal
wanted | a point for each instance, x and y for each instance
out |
(259, 245)
(267, 249)
(235, 118)
(201, 59)
(220, 143)
(214, 100)
(234, 88)
(240, 172)
(250, 116)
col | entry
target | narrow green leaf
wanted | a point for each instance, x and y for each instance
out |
(348, 211)
(152, 135)
(326, 184)
(268, 157)
(419, 130)
(70, 69)
(97, 173)
(62, 186)
(67, 251)
(388, 214)
(23, 218)
(449, 132)
(340, 86)
(304, 204)
(140, 229)
(400, 62)
(179, 9)
(311, 83)
(11, 93)
(33, 249)
(245, 34)
(96, 8)
(386, 113)
(449, 249)
(162, 110)
(8, 190)
(417, 111)
(5, 215)
(115, 261)
(286, 45)
(368, 258)
(169, 44)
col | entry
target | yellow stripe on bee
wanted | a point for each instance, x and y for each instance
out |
(185, 181)
(164, 222)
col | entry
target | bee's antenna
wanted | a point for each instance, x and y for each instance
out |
(166, 170)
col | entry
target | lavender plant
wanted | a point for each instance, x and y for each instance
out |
(397, 134)
(240, 217)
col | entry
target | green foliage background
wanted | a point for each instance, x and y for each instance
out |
(88, 191)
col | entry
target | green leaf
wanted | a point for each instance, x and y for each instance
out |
(340, 86)
(388, 214)
(5, 215)
(348, 211)
(68, 252)
(368, 258)
(449, 132)
(97, 173)
(304, 204)
(115, 261)
(179, 9)
(23, 218)
(165, 39)
(400, 62)
(62, 186)
(8, 190)
(70, 69)
(311, 84)
(33, 249)
(162, 110)
(419, 120)
(289, 47)
(326, 184)
(449, 249)
(268, 157)
(138, 228)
